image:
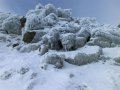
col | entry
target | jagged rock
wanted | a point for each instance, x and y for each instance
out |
(55, 60)
(12, 25)
(29, 36)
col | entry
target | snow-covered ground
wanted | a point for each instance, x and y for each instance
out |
(22, 71)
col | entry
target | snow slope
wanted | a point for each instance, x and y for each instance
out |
(96, 76)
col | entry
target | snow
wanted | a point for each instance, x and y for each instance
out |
(28, 71)
(95, 76)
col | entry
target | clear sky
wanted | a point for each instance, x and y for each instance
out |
(106, 11)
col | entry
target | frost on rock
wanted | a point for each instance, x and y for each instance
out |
(64, 13)
(34, 22)
(51, 19)
(54, 59)
(29, 48)
(105, 36)
(49, 8)
(85, 57)
(3, 16)
(68, 41)
(12, 25)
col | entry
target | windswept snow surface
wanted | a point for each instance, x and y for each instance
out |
(96, 76)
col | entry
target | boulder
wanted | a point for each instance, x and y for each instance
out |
(29, 48)
(54, 59)
(12, 25)
(80, 42)
(29, 36)
(68, 41)
(84, 56)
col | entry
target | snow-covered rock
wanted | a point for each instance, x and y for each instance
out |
(105, 36)
(55, 60)
(68, 41)
(28, 47)
(85, 55)
(12, 25)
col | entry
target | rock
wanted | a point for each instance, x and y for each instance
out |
(84, 33)
(43, 49)
(29, 47)
(3, 16)
(80, 42)
(12, 25)
(54, 59)
(29, 36)
(54, 40)
(85, 57)
(49, 8)
(68, 41)
(107, 37)
(15, 45)
(38, 36)
(22, 21)
(50, 19)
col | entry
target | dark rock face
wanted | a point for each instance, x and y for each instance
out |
(28, 36)
(22, 21)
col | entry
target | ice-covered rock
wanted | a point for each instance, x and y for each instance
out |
(43, 49)
(55, 60)
(29, 47)
(105, 36)
(80, 42)
(85, 55)
(50, 19)
(3, 16)
(68, 41)
(12, 25)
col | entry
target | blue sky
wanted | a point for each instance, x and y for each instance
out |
(106, 11)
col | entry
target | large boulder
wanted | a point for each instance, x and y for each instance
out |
(3, 16)
(85, 55)
(50, 19)
(34, 22)
(105, 36)
(12, 25)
